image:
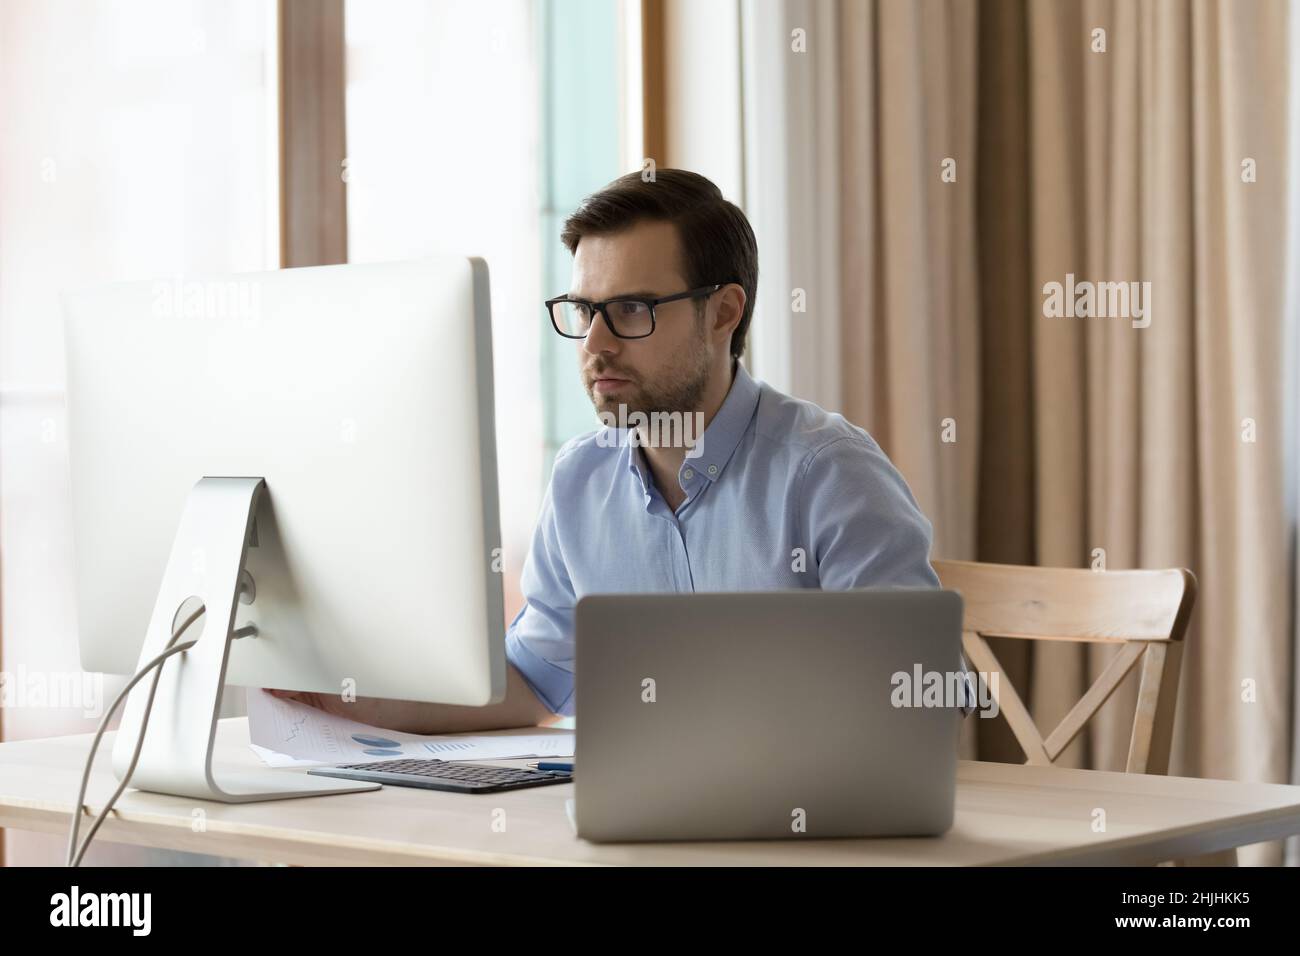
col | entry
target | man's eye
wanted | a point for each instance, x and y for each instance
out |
(628, 308)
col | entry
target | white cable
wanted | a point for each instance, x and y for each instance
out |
(75, 854)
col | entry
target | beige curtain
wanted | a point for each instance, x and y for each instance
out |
(1085, 439)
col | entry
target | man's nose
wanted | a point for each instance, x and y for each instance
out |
(599, 337)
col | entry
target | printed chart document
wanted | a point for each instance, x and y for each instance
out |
(285, 733)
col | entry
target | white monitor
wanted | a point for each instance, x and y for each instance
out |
(324, 436)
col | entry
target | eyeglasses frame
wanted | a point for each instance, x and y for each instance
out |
(651, 303)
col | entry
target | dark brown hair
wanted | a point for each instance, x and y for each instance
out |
(716, 239)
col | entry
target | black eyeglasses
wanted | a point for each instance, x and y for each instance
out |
(628, 317)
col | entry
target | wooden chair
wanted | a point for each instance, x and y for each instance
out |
(1145, 612)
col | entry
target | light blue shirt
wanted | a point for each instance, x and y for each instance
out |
(783, 495)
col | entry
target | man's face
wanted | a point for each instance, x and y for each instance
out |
(668, 370)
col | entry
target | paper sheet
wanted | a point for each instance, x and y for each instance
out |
(286, 733)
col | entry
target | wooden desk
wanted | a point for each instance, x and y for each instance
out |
(1006, 814)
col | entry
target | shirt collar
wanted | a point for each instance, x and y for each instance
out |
(720, 438)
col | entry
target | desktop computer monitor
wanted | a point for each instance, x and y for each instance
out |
(309, 454)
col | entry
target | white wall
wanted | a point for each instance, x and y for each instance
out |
(791, 160)
(762, 122)
(702, 73)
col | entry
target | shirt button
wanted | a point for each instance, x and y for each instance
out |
(713, 469)
(688, 474)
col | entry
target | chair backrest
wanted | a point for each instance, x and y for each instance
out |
(1144, 612)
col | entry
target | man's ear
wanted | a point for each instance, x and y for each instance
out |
(731, 306)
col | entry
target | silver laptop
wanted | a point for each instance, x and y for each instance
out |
(767, 715)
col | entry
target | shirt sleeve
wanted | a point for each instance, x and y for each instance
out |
(539, 641)
(968, 707)
(863, 527)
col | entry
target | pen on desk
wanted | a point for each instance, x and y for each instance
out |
(553, 765)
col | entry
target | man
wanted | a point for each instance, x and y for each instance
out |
(775, 493)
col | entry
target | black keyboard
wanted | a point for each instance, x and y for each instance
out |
(444, 775)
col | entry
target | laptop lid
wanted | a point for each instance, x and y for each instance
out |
(766, 715)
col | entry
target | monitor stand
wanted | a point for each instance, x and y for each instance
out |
(206, 563)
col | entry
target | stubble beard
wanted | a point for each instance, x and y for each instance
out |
(683, 393)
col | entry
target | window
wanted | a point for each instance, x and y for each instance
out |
(589, 138)
(473, 129)
(116, 125)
